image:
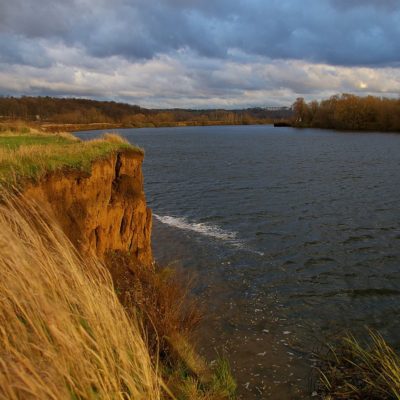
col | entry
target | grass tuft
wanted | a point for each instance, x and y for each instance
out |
(223, 381)
(114, 138)
(354, 370)
(185, 386)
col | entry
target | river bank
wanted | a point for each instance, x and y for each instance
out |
(53, 127)
(85, 201)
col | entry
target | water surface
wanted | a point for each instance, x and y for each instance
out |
(293, 236)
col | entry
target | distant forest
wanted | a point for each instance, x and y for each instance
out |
(84, 111)
(343, 112)
(349, 112)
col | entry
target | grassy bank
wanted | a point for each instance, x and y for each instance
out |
(27, 153)
(80, 329)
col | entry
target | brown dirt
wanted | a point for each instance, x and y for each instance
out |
(103, 210)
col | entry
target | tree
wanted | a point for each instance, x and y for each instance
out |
(300, 110)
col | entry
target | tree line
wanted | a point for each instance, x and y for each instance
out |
(349, 112)
(85, 111)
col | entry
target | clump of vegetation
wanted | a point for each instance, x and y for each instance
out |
(68, 332)
(349, 112)
(114, 138)
(186, 387)
(32, 154)
(160, 296)
(353, 370)
(64, 334)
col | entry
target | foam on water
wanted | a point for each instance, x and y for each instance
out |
(209, 230)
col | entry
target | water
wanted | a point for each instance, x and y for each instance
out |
(293, 236)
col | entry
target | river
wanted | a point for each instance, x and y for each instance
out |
(293, 237)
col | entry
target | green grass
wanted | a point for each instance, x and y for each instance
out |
(16, 141)
(223, 380)
(218, 385)
(27, 157)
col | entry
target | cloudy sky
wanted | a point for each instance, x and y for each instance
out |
(200, 53)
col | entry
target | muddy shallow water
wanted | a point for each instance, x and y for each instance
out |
(293, 235)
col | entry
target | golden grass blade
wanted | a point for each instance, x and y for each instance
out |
(63, 333)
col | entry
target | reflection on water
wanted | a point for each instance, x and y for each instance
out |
(293, 235)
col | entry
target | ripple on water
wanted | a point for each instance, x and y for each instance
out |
(302, 225)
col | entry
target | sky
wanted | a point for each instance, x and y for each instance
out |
(200, 53)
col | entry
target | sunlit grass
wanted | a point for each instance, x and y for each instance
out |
(31, 155)
(63, 332)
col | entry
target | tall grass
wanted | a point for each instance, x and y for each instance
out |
(355, 370)
(63, 332)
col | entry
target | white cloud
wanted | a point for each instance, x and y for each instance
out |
(185, 79)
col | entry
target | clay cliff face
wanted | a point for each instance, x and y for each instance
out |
(103, 210)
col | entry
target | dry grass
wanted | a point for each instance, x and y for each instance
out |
(161, 297)
(352, 370)
(63, 332)
(17, 127)
(114, 138)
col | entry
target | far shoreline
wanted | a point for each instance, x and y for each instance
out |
(102, 126)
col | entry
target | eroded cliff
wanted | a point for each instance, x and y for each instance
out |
(102, 210)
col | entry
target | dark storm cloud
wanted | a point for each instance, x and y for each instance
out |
(200, 53)
(15, 50)
(339, 32)
(386, 4)
(41, 18)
